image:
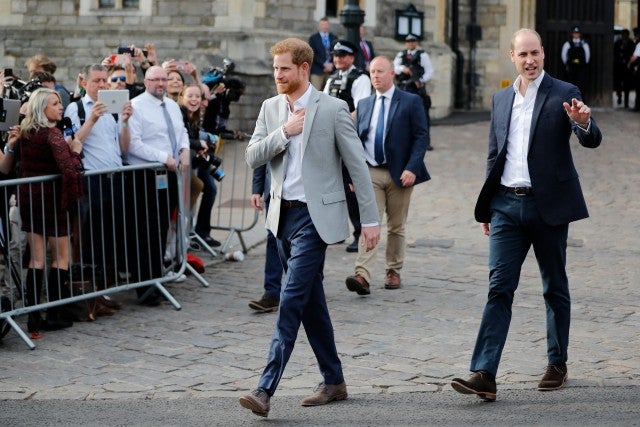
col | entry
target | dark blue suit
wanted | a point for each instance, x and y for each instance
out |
(320, 54)
(272, 266)
(406, 136)
(540, 220)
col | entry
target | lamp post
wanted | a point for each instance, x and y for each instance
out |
(351, 17)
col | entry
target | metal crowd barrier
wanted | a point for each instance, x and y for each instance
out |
(117, 235)
(233, 213)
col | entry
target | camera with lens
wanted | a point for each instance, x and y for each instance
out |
(209, 161)
(215, 75)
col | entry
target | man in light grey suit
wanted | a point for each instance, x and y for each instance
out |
(305, 136)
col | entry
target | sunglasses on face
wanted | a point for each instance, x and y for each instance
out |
(116, 78)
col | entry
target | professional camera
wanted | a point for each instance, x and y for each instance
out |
(215, 75)
(15, 88)
(209, 161)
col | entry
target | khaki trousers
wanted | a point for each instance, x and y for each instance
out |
(394, 201)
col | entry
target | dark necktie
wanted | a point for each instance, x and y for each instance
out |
(170, 129)
(379, 140)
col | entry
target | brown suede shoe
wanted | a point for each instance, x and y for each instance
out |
(257, 401)
(554, 377)
(479, 383)
(392, 281)
(266, 304)
(358, 284)
(325, 393)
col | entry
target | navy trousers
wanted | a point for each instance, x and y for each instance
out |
(515, 227)
(302, 300)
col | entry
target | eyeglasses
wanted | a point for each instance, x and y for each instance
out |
(116, 78)
(160, 79)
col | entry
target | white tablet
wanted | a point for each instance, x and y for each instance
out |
(9, 113)
(113, 99)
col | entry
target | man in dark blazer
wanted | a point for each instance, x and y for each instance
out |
(272, 266)
(530, 196)
(322, 43)
(393, 129)
(366, 54)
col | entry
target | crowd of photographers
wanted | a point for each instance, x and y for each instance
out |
(204, 100)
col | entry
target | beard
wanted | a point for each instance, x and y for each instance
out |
(290, 87)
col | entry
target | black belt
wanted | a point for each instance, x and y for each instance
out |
(518, 191)
(382, 166)
(292, 204)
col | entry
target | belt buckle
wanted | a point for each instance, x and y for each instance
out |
(520, 191)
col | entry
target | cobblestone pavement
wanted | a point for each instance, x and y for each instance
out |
(413, 339)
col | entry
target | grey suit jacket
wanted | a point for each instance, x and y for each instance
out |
(328, 138)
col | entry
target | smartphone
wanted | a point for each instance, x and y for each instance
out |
(8, 72)
(181, 65)
(125, 49)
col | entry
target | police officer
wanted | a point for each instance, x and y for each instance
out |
(347, 82)
(350, 84)
(413, 70)
(575, 56)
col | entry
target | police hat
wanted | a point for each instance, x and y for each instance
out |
(575, 29)
(344, 46)
(411, 38)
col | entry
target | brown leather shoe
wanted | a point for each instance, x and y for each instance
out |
(325, 393)
(257, 401)
(358, 284)
(392, 281)
(554, 378)
(266, 304)
(479, 383)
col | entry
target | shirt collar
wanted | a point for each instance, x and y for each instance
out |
(537, 82)
(303, 100)
(388, 94)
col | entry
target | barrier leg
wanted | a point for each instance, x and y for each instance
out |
(198, 276)
(20, 332)
(168, 296)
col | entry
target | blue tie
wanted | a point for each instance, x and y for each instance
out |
(379, 141)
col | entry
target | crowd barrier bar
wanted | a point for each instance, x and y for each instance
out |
(138, 188)
(233, 212)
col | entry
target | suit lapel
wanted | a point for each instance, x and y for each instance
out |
(541, 97)
(393, 108)
(309, 115)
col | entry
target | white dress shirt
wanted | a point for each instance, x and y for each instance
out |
(293, 185)
(149, 134)
(516, 168)
(101, 148)
(369, 145)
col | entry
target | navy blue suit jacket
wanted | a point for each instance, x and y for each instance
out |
(554, 178)
(406, 137)
(261, 182)
(315, 41)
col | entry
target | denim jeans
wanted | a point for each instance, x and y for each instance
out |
(515, 227)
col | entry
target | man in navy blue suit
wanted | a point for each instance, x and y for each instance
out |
(530, 195)
(322, 43)
(392, 126)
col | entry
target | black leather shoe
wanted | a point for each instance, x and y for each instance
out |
(257, 401)
(479, 383)
(554, 378)
(353, 246)
(211, 241)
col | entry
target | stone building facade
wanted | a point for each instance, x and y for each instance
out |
(77, 32)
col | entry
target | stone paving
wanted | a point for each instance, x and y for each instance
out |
(413, 339)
